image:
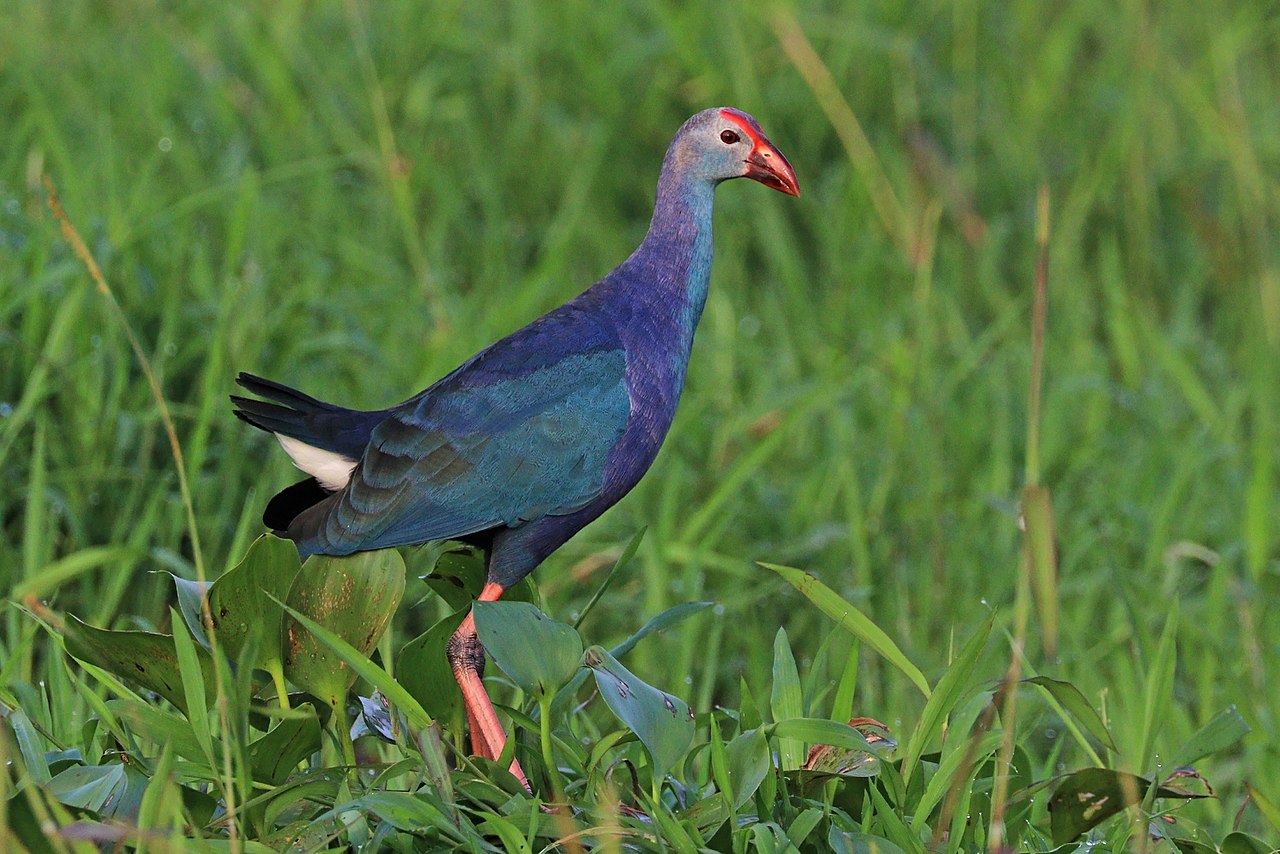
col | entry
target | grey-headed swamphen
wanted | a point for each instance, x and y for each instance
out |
(536, 435)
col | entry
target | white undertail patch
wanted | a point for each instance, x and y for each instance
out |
(332, 470)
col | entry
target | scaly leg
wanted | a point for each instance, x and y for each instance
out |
(466, 658)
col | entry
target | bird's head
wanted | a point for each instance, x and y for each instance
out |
(723, 143)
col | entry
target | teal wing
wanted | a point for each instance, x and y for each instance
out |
(485, 447)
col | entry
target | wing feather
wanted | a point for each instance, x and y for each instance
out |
(480, 450)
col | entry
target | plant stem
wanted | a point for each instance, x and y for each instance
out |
(341, 724)
(548, 758)
(277, 677)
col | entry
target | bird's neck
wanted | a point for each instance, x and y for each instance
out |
(673, 263)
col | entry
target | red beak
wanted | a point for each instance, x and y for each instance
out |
(769, 166)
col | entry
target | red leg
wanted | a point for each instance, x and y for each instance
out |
(466, 657)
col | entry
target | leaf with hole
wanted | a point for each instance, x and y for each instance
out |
(663, 723)
(352, 597)
(538, 653)
(1086, 798)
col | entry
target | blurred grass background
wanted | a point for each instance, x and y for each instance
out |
(352, 198)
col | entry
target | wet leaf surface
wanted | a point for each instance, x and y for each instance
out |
(238, 606)
(663, 722)
(538, 653)
(352, 597)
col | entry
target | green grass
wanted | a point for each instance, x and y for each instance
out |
(352, 198)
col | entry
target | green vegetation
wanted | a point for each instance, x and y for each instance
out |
(354, 197)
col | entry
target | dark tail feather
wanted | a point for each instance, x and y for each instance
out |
(289, 397)
(289, 412)
(268, 416)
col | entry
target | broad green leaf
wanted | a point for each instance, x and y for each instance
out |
(126, 805)
(512, 837)
(851, 620)
(537, 652)
(1086, 798)
(457, 577)
(892, 824)
(88, 787)
(298, 797)
(33, 755)
(361, 665)
(749, 716)
(749, 761)
(190, 602)
(1070, 698)
(1225, 729)
(947, 694)
(275, 755)
(146, 659)
(820, 731)
(769, 838)
(351, 597)
(800, 828)
(663, 723)
(238, 607)
(857, 842)
(720, 760)
(1242, 843)
(422, 667)
(786, 700)
(661, 622)
(157, 797)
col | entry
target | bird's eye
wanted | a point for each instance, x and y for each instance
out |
(728, 137)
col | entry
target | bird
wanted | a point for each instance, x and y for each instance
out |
(531, 439)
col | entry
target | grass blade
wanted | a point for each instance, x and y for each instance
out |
(786, 700)
(851, 620)
(366, 669)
